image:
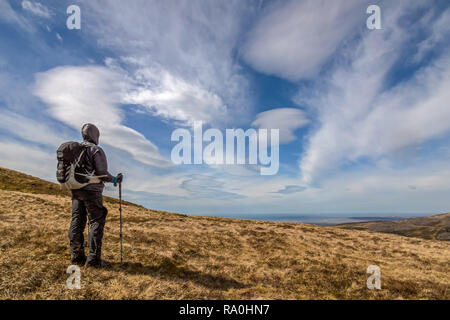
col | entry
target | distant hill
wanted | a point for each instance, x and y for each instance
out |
(432, 227)
(175, 256)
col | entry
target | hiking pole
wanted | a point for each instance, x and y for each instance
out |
(120, 213)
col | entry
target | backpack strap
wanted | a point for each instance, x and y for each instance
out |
(86, 145)
(79, 157)
(90, 175)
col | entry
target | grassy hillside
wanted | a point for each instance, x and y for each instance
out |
(434, 227)
(172, 256)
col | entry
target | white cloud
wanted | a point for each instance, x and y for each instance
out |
(8, 15)
(14, 90)
(289, 189)
(30, 129)
(376, 191)
(287, 120)
(206, 186)
(36, 8)
(439, 30)
(181, 55)
(29, 159)
(77, 95)
(293, 39)
(397, 121)
(360, 118)
(178, 61)
(387, 190)
(171, 97)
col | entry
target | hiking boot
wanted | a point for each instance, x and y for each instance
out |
(80, 260)
(98, 264)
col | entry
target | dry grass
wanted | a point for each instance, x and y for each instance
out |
(172, 256)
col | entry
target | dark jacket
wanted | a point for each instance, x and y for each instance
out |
(95, 160)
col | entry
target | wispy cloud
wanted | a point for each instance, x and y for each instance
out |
(172, 98)
(360, 117)
(372, 104)
(77, 95)
(8, 15)
(36, 8)
(183, 60)
(30, 129)
(205, 186)
(27, 158)
(293, 39)
(291, 189)
(287, 120)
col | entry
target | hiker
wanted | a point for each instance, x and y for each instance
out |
(87, 203)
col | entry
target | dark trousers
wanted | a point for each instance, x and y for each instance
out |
(87, 205)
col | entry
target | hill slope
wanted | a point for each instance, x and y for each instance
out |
(17, 181)
(173, 256)
(434, 227)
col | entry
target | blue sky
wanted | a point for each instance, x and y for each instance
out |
(363, 114)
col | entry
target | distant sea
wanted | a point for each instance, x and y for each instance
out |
(317, 219)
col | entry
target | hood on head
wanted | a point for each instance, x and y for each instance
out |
(90, 133)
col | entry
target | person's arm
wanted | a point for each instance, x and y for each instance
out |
(101, 165)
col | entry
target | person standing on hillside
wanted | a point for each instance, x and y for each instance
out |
(87, 203)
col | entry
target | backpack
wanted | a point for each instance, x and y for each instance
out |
(70, 170)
